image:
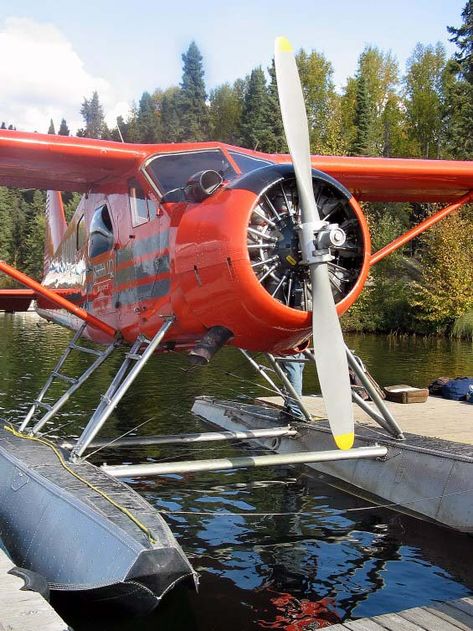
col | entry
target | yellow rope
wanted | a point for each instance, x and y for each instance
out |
(121, 508)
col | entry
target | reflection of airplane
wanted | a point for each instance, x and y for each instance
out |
(193, 246)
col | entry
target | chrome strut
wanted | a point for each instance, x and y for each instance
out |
(119, 386)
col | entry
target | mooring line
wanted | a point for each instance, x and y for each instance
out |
(121, 508)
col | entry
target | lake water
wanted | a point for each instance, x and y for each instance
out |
(297, 553)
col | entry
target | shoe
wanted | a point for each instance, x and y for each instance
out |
(291, 414)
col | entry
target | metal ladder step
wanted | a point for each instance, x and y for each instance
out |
(59, 375)
(44, 405)
(74, 383)
(84, 349)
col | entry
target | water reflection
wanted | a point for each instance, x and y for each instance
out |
(324, 556)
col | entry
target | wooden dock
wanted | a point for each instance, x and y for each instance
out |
(436, 418)
(24, 610)
(451, 616)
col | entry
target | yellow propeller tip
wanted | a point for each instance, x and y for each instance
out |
(283, 45)
(345, 441)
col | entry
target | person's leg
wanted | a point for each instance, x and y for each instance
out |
(294, 371)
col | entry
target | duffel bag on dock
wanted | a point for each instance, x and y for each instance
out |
(457, 389)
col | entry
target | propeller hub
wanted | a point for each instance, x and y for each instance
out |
(331, 236)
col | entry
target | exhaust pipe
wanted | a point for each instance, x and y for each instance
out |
(206, 348)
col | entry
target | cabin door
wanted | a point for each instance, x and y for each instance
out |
(102, 264)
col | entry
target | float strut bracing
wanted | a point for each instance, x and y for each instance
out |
(119, 386)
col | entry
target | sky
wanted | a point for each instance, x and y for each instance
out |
(56, 53)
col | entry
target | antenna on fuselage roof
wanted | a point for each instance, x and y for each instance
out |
(119, 131)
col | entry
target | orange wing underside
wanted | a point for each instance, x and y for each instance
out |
(16, 300)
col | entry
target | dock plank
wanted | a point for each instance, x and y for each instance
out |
(24, 610)
(436, 418)
(395, 622)
(428, 620)
(453, 615)
(465, 604)
(361, 625)
(449, 616)
(365, 624)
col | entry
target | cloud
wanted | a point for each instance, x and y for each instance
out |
(42, 77)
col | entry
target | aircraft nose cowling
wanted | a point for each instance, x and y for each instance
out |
(238, 262)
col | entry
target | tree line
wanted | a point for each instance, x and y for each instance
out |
(426, 111)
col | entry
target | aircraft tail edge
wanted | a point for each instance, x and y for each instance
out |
(56, 226)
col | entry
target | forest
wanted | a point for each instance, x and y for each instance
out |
(422, 111)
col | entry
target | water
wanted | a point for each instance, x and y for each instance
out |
(326, 557)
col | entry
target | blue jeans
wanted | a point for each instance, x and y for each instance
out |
(294, 372)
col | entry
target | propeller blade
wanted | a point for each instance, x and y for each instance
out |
(296, 128)
(329, 347)
(331, 359)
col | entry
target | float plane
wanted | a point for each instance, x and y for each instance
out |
(184, 247)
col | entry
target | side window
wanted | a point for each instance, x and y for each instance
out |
(101, 232)
(81, 233)
(142, 208)
(248, 163)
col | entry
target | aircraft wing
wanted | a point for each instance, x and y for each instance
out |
(399, 179)
(65, 163)
(13, 300)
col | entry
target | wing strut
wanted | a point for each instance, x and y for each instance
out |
(56, 299)
(421, 227)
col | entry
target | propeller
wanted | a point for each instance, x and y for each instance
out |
(316, 237)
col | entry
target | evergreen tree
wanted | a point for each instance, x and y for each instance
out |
(147, 120)
(379, 73)
(226, 106)
(129, 128)
(3, 125)
(32, 263)
(277, 126)
(463, 38)
(171, 123)
(193, 109)
(92, 113)
(6, 221)
(361, 143)
(51, 129)
(63, 128)
(460, 88)
(18, 222)
(256, 130)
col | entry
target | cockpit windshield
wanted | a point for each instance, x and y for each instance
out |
(171, 171)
